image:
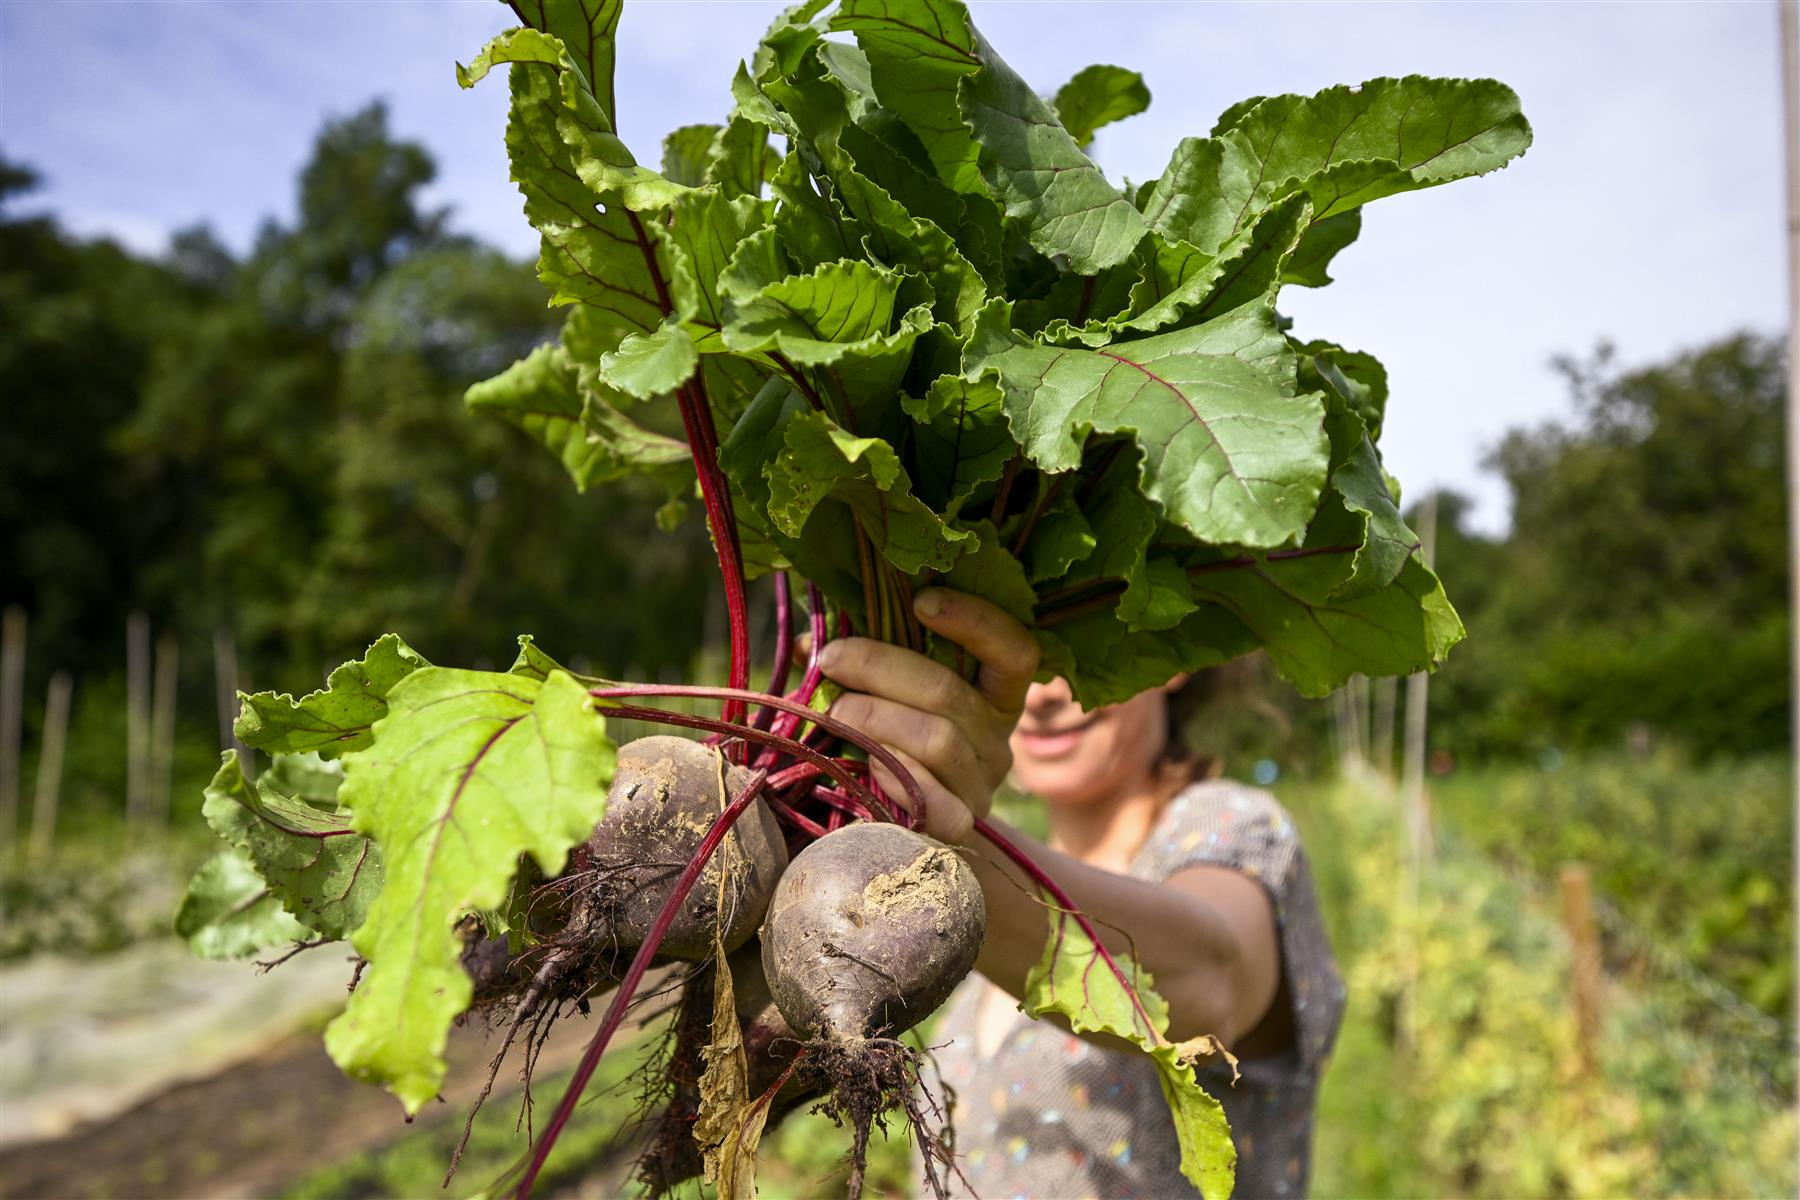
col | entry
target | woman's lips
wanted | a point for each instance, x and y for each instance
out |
(1057, 742)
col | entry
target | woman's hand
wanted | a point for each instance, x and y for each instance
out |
(952, 735)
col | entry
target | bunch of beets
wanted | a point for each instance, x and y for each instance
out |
(895, 329)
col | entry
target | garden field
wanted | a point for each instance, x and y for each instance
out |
(1458, 1071)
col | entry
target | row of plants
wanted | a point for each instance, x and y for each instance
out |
(1694, 854)
(1459, 1070)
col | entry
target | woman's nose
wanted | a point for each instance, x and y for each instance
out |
(1048, 695)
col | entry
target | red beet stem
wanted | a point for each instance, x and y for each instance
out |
(784, 648)
(875, 750)
(796, 818)
(838, 769)
(1037, 876)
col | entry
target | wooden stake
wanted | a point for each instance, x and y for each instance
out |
(1789, 27)
(225, 689)
(1415, 815)
(137, 714)
(1418, 830)
(12, 716)
(162, 730)
(1584, 961)
(1359, 707)
(48, 791)
(1387, 690)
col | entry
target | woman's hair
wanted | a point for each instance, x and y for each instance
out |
(1195, 749)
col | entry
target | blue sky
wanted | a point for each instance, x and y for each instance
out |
(1648, 212)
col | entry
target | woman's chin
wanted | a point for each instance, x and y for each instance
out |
(1065, 785)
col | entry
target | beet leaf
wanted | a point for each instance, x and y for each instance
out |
(468, 771)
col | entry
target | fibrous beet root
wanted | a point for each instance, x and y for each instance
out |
(665, 795)
(770, 1048)
(870, 929)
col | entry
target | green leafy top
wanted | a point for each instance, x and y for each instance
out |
(1077, 980)
(935, 312)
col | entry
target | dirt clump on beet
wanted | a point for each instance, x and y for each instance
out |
(665, 796)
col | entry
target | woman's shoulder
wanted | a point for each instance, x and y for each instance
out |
(1222, 822)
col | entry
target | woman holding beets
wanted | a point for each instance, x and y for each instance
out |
(1202, 878)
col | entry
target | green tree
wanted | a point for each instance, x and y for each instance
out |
(79, 325)
(1644, 579)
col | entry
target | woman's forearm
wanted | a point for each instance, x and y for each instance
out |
(1187, 944)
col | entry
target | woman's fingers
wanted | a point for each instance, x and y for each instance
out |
(895, 673)
(932, 740)
(947, 818)
(1006, 650)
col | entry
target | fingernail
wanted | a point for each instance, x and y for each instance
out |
(829, 656)
(928, 604)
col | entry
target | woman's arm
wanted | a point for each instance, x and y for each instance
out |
(1207, 934)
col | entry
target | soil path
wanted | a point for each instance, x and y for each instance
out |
(248, 1130)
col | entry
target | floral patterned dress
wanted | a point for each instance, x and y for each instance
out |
(1052, 1117)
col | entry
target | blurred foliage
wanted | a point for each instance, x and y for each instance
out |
(90, 898)
(1642, 589)
(1696, 855)
(275, 445)
(1458, 1072)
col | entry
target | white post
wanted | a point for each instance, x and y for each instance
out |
(137, 714)
(1790, 123)
(1386, 693)
(162, 730)
(225, 688)
(12, 717)
(1417, 696)
(48, 791)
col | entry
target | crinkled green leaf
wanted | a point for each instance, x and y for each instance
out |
(306, 777)
(969, 110)
(1094, 621)
(735, 157)
(741, 161)
(1042, 177)
(875, 200)
(1359, 378)
(708, 228)
(818, 317)
(1099, 95)
(1317, 643)
(1181, 285)
(1063, 537)
(321, 870)
(1073, 979)
(335, 719)
(541, 394)
(469, 771)
(533, 662)
(592, 252)
(687, 153)
(820, 462)
(651, 364)
(961, 440)
(1319, 246)
(919, 53)
(229, 912)
(1231, 116)
(1359, 484)
(1344, 147)
(986, 568)
(1230, 453)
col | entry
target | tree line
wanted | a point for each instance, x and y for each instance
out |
(274, 444)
